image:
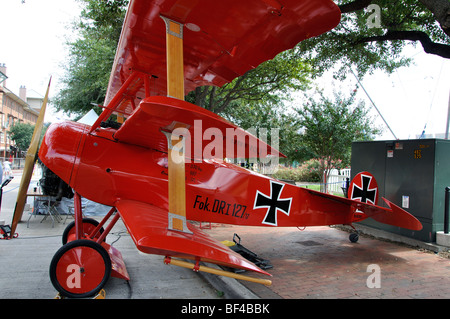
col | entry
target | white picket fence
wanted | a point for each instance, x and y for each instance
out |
(336, 180)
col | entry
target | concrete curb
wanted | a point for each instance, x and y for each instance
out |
(381, 234)
(231, 288)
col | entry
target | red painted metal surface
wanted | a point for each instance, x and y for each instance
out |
(118, 267)
(222, 39)
(364, 188)
(144, 126)
(148, 226)
(127, 168)
(110, 172)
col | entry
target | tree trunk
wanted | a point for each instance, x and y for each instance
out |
(441, 10)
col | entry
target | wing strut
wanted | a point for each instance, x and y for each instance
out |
(114, 102)
(175, 142)
(174, 54)
(197, 267)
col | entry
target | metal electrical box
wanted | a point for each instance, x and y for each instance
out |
(412, 174)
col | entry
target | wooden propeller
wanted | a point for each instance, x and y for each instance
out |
(29, 165)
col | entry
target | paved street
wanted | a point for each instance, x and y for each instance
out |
(316, 263)
(320, 262)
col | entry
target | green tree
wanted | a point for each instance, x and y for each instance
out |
(91, 56)
(21, 134)
(367, 40)
(270, 83)
(331, 125)
(269, 116)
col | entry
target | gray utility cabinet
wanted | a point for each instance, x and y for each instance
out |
(412, 174)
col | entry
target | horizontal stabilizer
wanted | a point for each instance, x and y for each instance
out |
(393, 215)
(397, 217)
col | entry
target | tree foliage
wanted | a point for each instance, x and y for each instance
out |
(331, 125)
(367, 40)
(353, 43)
(91, 55)
(21, 134)
(271, 82)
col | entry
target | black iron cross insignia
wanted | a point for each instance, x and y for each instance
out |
(363, 193)
(273, 203)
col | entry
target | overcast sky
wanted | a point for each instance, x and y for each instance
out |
(409, 99)
(33, 42)
(32, 47)
(412, 98)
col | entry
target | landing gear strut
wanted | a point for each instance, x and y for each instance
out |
(83, 265)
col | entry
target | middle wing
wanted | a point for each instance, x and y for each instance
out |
(144, 128)
(148, 226)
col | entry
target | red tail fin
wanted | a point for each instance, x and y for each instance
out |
(364, 188)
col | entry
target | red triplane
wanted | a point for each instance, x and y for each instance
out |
(156, 167)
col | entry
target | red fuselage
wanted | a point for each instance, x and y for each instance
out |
(103, 170)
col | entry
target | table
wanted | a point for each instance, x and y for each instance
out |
(45, 202)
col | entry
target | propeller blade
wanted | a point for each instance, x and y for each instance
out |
(29, 165)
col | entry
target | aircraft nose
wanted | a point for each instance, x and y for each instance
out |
(59, 148)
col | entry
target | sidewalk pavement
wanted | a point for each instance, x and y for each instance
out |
(321, 263)
(318, 262)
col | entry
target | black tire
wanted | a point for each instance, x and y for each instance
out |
(354, 237)
(99, 253)
(71, 226)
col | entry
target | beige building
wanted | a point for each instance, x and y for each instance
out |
(13, 109)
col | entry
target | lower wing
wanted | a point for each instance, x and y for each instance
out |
(148, 226)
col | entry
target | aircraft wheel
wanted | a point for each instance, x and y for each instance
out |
(89, 225)
(80, 269)
(354, 237)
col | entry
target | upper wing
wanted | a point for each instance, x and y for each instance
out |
(222, 39)
(155, 113)
(148, 226)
